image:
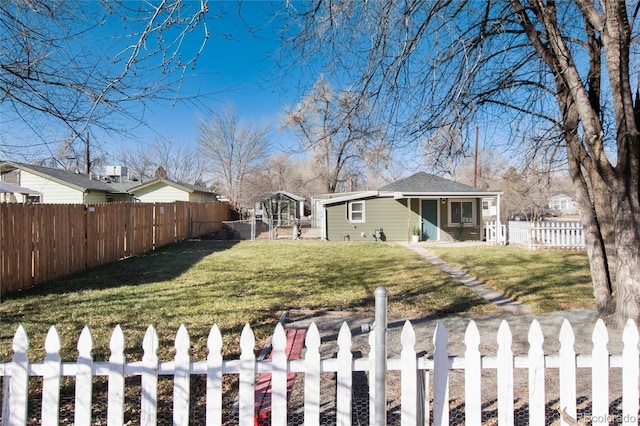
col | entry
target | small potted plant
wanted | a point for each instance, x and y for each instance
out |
(415, 233)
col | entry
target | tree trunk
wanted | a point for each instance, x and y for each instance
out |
(627, 243)
(595, 244)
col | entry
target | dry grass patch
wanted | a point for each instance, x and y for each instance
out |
(199, 283)
(546, 280)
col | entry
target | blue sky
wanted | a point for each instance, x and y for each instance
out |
(236, 67)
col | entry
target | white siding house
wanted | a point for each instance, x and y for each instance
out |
(165, 191)
(57, 186)
(52, 192)
(563, 203)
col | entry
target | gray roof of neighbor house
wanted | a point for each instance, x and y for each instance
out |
(424, 182)
(285, 193)
(78, 181)
(183, 186)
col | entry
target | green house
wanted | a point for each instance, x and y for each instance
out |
(441, 209)
(282, 208)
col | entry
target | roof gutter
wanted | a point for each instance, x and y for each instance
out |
(444, 194)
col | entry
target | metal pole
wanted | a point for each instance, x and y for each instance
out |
(380, 374)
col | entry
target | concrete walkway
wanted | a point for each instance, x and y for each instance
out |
(474, 285)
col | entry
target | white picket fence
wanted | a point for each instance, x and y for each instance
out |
(416, 373)
(538, 234)
(494, 234)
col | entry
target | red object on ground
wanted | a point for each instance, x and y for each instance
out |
(295, 343)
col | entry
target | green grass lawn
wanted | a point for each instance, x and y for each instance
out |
(229, 284)
(546, 280)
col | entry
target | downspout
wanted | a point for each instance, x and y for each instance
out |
(324, 224)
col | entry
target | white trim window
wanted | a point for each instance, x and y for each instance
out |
(461, 212)
(355, 212)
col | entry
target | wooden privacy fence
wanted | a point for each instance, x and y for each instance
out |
(40, 242)
(538, 234)
(424, 381)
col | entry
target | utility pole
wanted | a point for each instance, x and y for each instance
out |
(475, 162)
(87, 157)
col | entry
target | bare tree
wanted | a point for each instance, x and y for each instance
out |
(233, 150)
(61, 72)
(444, 151)
(565, 67)
(180, 162)
(334, 128)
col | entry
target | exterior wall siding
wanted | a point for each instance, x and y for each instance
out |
(52, 192)
(386, 213)
(94, 197)
(121, 197)
(199, 197)
(391, 215)
(161, 194)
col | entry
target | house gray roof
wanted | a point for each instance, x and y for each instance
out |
(183, 186)
(276, 193)
(78, 181)
(422, 182)
(418, 185)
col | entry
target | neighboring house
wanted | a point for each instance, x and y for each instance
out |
(489, 208)
(563, 203)
(281, 208)
(443, 210)
(49, 185)
(162, 190)
(11, 193)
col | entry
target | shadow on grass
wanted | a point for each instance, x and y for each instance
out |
(163, 264)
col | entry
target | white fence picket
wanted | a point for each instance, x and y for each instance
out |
(214, 377)
(505, 376)
(440, 376)
(567, 373)
(19, 386)
(313, 363)
(115, 399)
(279, 377)
(630, 356)
(414, 376)
(600, 375)
(409, 377)
(472, 375)
(344, 377)
(84, 379)
(537, 394)
(149, 379)
(181, 379)
(51, 379)
(247, 377)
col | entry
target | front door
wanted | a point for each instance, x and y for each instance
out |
(429, 220)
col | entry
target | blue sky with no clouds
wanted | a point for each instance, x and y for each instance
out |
(237, 67)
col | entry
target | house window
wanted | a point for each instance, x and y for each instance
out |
(461, 212)
(355, 211)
